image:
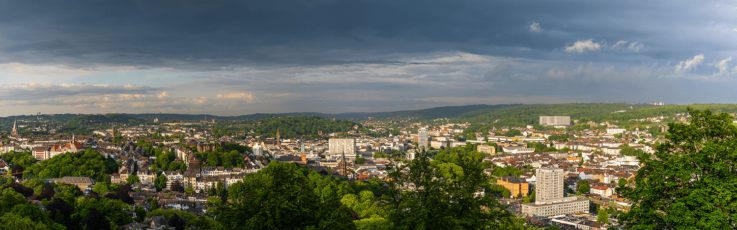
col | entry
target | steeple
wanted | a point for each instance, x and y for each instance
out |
(278, 137)
(15, 129)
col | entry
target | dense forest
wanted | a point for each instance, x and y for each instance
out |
(89, 163)
(302, 126)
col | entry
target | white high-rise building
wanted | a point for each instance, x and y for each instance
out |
(422, 138)
(258, 150)
(550, 201)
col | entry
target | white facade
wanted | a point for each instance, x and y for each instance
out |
(342, 146)
(258, 150)
(555, 120)
(615, 130)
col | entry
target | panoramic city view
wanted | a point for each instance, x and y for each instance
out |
(368, 114)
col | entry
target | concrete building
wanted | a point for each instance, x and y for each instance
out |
(615, 130)
(340, 146)
(258, 150)
(486, 149)
(549, 196)
(555, 120)
(516, 186)
(422, 138)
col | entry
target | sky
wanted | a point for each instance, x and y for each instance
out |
(226, 57)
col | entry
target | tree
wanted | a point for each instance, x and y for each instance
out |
(622, 182)
(282, 190)
(61, 212)
(160, 182)
(213, 202)
(421, 197)
(688, 183)
(583, 186)
(189, 190)
(176, 222)
(177, 186)
(140, 213)
(154, 204)
(47, 193)
(96, 220)
(18, 171)
(603, 216)
(132, 179)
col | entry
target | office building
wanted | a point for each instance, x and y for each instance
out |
(555, 120)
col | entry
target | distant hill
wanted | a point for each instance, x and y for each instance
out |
(107, 118)
(509, 114)
(432, 113)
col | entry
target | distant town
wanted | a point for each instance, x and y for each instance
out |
(558, 171)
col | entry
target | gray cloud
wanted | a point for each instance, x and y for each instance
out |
(362, 55)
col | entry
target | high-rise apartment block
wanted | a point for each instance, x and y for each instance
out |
(555, 120)
(549, 196)
(422, 139)
(339, 146)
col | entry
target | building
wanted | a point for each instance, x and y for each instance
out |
(615, 131)
(555, 120)
(486, 149)
(15, 129)
(340, 146)
(81, 182)
(516, 186)
(258, 150)
(422, 139)
(549, 196)
(550, 183)
(602, 191)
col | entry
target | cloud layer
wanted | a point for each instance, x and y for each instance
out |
(239, 57)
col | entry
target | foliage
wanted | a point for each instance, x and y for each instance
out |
(419, 198)
(22, 159)
(506, 171)
(89, 163)
(95, 220)
(132, 179)
(283, 190)
(373, 223)
(160, 182)
(603, 216)
(583, 186)
(699, 193)
(499, 190)
(301, 126)
(365, 204)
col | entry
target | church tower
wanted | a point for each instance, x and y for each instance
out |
(278, 137)
(15, 128)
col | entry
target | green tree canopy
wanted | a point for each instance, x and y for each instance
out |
(420, 197)
(691, 180)
(280, 196)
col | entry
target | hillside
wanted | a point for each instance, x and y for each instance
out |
(301, 126)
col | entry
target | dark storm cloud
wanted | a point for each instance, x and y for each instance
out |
(220, 34)
(364, 55)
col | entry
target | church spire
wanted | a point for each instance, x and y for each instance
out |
(15, 129)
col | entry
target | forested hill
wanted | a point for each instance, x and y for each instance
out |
(302, 126)
(530, 114)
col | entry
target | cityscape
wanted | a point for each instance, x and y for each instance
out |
(368, 115)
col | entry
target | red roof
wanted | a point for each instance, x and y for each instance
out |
(601, 187)
(55, 147)
(76, 145)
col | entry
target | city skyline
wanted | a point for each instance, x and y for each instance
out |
(233, 58)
